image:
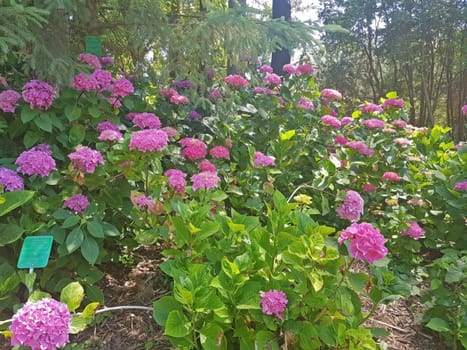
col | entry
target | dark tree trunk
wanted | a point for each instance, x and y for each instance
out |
(281, 8)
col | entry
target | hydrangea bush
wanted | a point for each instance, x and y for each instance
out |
(266, 188)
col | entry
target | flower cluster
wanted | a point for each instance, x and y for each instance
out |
(391, 176)
(206, 165)
(373, 123)
(219, 152)
(366, 242)
(42, 325)
(90, 59)
(331, 121)
(303, 103)
(331, 94)
(205, 179)
(86, 159)
(236, 81)
(38, 94)
(370, 108)
(77, 203)
(414, 230)
(272, 79)
(36, 161)
(352, 207)
(193, 148)
(360, 147)
(274, 302)
(146, 120)
(10, 180)
(263, 160)
(9, 101)
(149, 140)
(460, 186)
(393, 103)
(176, 179)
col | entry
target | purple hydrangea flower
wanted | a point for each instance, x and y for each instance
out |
(331, 94)
(122, 88)
(460, 186)
(83, 82)
(305, 69)
(10, 180)
(289, 68)
(331, 121)
(146, 120)
(176, 179)
(366, 242)
(107, 125)
(195, 115)
(38, 94)
(37, 161)
(272, 79)
(205, 179)
(9, 101)
(393, 103)
(370, 108)
(303, 103)
(90, 59)
(352, 207)
(77, 203)
(391, 176)
(274, 302)
(263, 160)
(42, 325)
(373, 123)
(149, 140)
(110, 135)
(360, 147)
(206, 165)
(265, 68)
(86, 159)
(142, 201)
(414, 230)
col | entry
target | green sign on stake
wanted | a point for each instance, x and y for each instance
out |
(35, 252)
(94, 45)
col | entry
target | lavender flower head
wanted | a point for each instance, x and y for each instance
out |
(352, 207)
(77, 203)
(38, 94)
(146, 120)
(176, 179)
(274, 302)
(10, 180)
(9, 100)
(366, 242)
(460, 186)
(42, 325)
(86, 159)
(149, 140)
(37, 161)
(263, 160)
(205, 179)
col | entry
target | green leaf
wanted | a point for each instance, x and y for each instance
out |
(77, 134)
(72, 112)
(89, 311)
(110, 230)
(90, 250)
(358, 280)
(285, 136)
(438, 325)
(212, 337)
(177, 325)
(71, 221)
(14, 199)
(74, 240)
(30, 138)
(95, 229)
(38, 295)
(163, 306)
(72, 295)
(391, 94)
(44, 122)
(10, 233)
(28, 114)
(378, 332)
(78, 324)
(94, 112)
(207, 229)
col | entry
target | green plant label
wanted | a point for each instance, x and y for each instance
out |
(94, 45)
(35, 252)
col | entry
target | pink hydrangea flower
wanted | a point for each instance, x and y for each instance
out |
(289, 68)
(142, 201)
(414, 230)
(3, 81)
(370, 108)
(263, 160)
(331, 94)
(90, 59)
(259, 90)
(107, 125)
(9, 101)
(346, 121)
(219, 152)
(369, 188)
(402, 141)
(10, 180)
(331, 121)
(114, 101)
(215, 95)
(303, 103)
(393, 103)
(366, 242)
(103, 78)
(85, 83)
(360, 147)
(461, 186)
(236, 81)
(195, 115)
(168, 92)
(391, 176)
(206, 165)
(399, 123)
(77, 203)
(373, 123)
(193, 148)
(179, 99)
(274, 302)
(464, 109)
(265, 68)
(122, 88)
(110, 135)
(149, 140)
(108, 61)
(41, 325)
(305, 69)
(352, 207)
(38, 94)
(85, 159)
(37, 161)
(176, 179)
(272, 79)
(341, 140)
(170, 131)
(146, 120)
(205, 179)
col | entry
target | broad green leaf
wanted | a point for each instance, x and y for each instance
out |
(212, 337)
(90, 250)
(38, 295)
(358, 280)
(10, 233)
(77, 134)
(28, 114)
(391, 94)
(14, 199)
(72, 295)
(207, 229)
(316, 281)
(285, 136)
(89, 311)
(78, 324)
(71, 221)
(44, 122)
(110, 230)
(94, 111)
(438, 325)
(74, 240)
(72, 112)
(163, 306)
(95, 229)
(177, 325)
(30, 138)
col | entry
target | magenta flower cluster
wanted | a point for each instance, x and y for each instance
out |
(86, 159)
(373, 123)
(42, 325)
(393, 103)
(352, 207)
(38, 94)
(274, 302)
(193, 148)
(236, 81)
(370, 108)
(149, 140)
(360, 147)
(146, 120)
(9, 101)
(331, 94)
(460, 186)
(176, 179)
(205, 179)
(391, 176)
(36, 161)
(219, 152)
(303, 103)
(414, 230)
(366, 242)
(259, 159)
(10, 180)
(331, 121)
(76, 203)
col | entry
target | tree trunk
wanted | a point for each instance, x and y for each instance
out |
(281, 8)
